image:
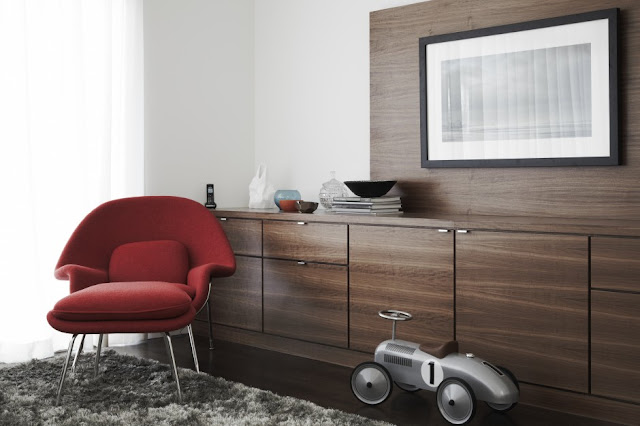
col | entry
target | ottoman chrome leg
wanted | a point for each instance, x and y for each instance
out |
(75, 359)
(64, 368)
(173, 364)
(95, 368)
(193, 347)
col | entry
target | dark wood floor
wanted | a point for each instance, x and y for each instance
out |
(328, 385)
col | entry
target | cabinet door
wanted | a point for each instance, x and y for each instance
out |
(406, 269)
(522, 302)
(245, 235)
(313, 242)
(237, 300)
(615, 263)
(306, 301)
(615, 345)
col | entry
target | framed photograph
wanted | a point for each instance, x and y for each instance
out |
(540, 93)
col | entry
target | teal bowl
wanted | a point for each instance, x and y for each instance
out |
(285, 194)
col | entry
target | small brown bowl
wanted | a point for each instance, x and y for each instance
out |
(306, 206)
(289, 205)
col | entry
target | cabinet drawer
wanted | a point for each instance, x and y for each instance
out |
(245, 235)
(615, 345)
(313, 242)
(306, 302)
(615, 263)
(237, 300)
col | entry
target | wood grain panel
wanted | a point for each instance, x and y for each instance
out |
(522, 302)
(580, 404)
(570, 192)
(615, 263)
(237, 300)
(556, 225)
(245, 235)
(313, 242)
(615, 345)
(306, 302)
(405, 269)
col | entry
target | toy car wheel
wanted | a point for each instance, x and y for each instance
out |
(371, 383)
(503, 408)
(456, 401)
(407, 388)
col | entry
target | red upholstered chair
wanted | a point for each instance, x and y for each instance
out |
(140, 265)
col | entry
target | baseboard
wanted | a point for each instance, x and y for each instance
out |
(580, 404)
(330, 354)
(539, 396)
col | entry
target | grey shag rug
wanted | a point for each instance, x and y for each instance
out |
(134, 391)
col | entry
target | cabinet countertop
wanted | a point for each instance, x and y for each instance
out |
(579, 226)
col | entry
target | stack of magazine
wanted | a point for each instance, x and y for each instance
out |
(361, 205)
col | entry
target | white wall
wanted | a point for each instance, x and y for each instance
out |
(230, 84)
(312, 90)
(199, 98)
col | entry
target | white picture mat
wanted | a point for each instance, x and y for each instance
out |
(597, 145)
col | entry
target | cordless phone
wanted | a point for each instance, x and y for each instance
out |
(210, 204)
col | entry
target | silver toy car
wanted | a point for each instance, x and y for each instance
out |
(459, 379)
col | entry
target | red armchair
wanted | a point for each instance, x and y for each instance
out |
(140, 265)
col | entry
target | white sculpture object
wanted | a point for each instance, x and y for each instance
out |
(260, 191)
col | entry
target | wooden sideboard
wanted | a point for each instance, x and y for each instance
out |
(305, 281)
(555, 300)
(615, 317)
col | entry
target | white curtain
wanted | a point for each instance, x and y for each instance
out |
(71, 137)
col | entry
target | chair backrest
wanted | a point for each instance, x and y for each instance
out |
(163, 221)
(160, 260)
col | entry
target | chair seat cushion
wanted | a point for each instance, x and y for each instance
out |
(129, 301)
(187, 289)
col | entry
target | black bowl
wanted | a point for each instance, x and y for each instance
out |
(370, 188)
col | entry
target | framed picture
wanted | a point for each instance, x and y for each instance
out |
(540, 93)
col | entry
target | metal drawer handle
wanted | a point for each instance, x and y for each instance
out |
(302, 223)
(300, 262)
(443, 230)
(463, 231)
(223, 218)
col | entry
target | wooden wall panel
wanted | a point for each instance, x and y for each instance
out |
(582, 192)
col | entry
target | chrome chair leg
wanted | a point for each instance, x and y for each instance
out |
(209, 321)
(64, 368)
(173, 364)
(95, 367)
(75, 358)
(168, 349)
(193, 348)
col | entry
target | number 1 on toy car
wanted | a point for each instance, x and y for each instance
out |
(432, 373)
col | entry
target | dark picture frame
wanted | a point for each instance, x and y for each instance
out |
(526, 94)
